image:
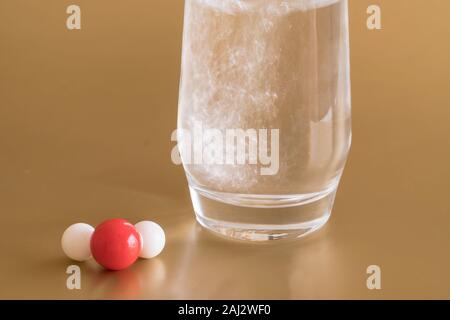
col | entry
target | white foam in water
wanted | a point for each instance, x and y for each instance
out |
(273, 6)
(268, 64)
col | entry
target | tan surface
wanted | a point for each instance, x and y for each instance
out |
(85, 123)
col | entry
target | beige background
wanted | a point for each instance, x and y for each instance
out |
(85, 124)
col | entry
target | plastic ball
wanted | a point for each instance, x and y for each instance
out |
(75, 241)
(116, 244)
(153, 239)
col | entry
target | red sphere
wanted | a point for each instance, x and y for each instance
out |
(115, 244)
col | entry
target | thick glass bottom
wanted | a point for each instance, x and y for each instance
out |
(262, 217)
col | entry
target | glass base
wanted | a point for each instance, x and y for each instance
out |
(262, 217)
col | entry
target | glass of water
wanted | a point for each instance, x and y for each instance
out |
(264, 123)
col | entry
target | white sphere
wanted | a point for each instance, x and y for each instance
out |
(153, 239)
(76, 241)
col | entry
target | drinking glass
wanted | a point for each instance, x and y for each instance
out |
(264, 121)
